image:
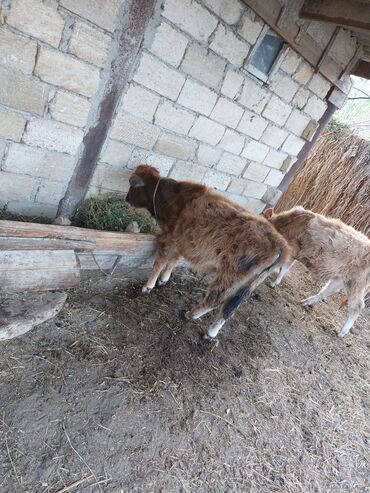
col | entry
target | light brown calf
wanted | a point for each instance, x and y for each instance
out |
(334, 252)
(211, 233)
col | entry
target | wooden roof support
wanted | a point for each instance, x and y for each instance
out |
(353, 14)
(130, 35)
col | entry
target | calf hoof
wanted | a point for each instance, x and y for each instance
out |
(188, 315)
(208, 338)
(146, 290)
(161, 283)
(272, 285)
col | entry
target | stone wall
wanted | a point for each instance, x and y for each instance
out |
(194, 112)
(191, 108)
(52, 58)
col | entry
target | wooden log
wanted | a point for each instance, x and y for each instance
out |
(101, 240)
(20, 313)
(13, 243)
(40, 270)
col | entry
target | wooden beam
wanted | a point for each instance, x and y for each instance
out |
(38, 270)
(353, 14)
(132, 31)
(362, 70)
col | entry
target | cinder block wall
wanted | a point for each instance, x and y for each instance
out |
(191, 109)
(52, 58)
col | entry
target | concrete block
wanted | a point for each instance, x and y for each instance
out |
(319, 85)
(50, 192)
(284, 86)
(256, 172)
(304, 73)
(203, 65)
(227, 113)
(232, 142)
(21, 93)
(274, 136)
(255, 205)
(70, 108)
(155, 75)
(255, 151)
(250, 28)
(217, 180)
(277, 111)
(131, 130)
(31, 209)
(187, 171)
(275, 159)
(236, 186)
(291, 61)
(253, 96)
(169, 44)
(11, 125)
(293, 145)
(17, 52)
(254, 189)
(207, 131)
(232, 84)
(38, 19)
(274, 178)
(15, 187)
(175, 146)
(52, 135)
(315, 108)
(301, 98)
(197, 97)
(140, 102)
(287, 164)
(297, 122)
(252, 125)
(229, 163)
(111, 178)
(63, 70)
(227, 45)
(229, 10)
(103, 13)
(89, 43)
(116, 153)
(191, 17)
(142, 156)
(208, 155)
(272, 196)
(174, 118)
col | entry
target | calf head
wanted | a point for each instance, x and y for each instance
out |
(142, 186)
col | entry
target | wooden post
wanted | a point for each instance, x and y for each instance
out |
(132, 31)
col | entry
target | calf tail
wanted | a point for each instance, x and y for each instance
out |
(247, 289)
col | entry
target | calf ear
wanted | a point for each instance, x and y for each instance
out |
(268, 213)
(136, 181)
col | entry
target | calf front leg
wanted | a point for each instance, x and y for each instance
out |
(355, 305)
(164, 254)
(283, 270)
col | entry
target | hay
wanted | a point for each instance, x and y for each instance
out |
(334, 180)
(112, 214)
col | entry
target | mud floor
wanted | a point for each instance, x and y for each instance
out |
(119, 394)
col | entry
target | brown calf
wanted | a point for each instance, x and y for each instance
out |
(211, 233)
(334, 252)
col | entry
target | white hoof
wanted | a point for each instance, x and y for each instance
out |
(146, 290)
(208, 338)
(161, 283)
(272, 285)
(342, 334)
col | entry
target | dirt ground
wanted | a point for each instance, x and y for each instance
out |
(119, 394)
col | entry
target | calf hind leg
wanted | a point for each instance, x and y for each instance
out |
(332, 287)
(355, 305)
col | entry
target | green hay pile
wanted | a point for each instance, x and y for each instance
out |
(112, 214)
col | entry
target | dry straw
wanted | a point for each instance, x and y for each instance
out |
(334, 180)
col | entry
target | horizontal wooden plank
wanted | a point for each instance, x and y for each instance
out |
(100, 239)
(41, 270)
(13, 243)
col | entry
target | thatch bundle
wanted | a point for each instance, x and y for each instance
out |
(334, 180)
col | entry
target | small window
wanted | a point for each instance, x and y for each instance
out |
(266, 55)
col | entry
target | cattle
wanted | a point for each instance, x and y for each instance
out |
(211, 233)
(335, 253)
